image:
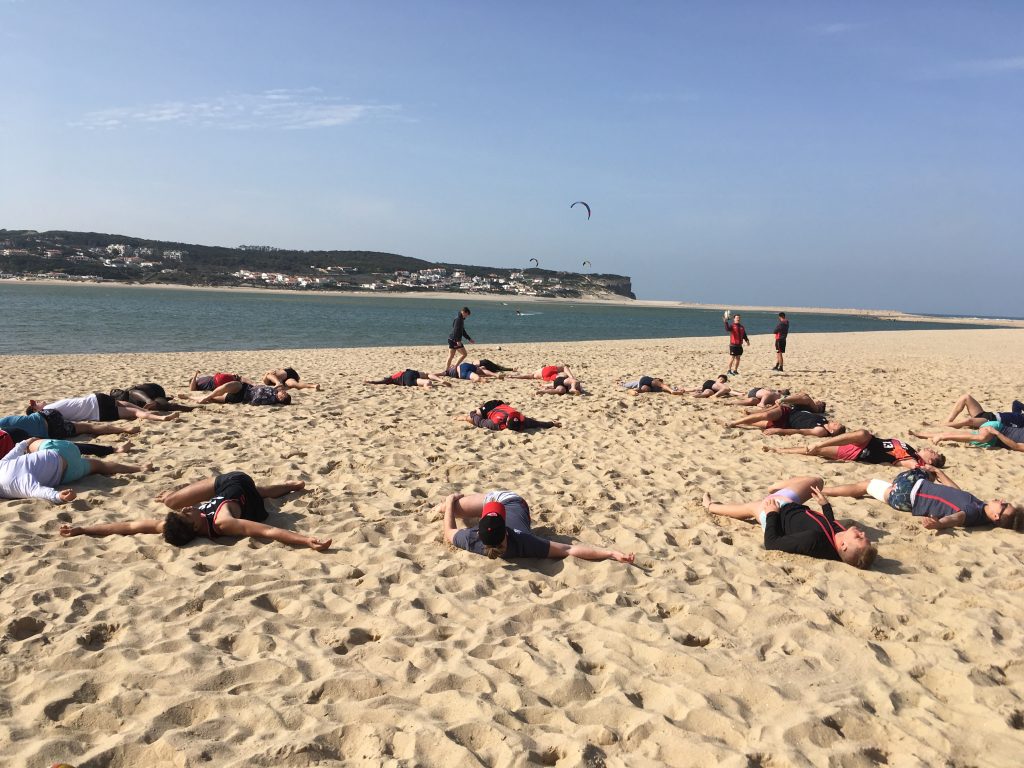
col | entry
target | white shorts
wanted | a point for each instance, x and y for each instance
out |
(877, 489)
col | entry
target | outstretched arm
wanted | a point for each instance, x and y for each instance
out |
(989, 433)
(942, 478)
(583, 552)
(113, 529)
(236, 527)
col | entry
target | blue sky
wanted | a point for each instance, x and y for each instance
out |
(796, 153)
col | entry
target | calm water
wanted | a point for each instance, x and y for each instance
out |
(62, 319)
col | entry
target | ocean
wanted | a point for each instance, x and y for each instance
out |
(68, 319)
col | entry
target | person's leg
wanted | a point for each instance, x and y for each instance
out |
(190, 495)
(752, 420)
(277, 490)
(103, 428)
(293, 384)
(94, 449)
(967, 401)
(801, 399)
(132, 412)
(451, 356)
(461, 355)
(192, 385)
(859, 437)
(218, 395)
(852, 490)
(101, 467)
(801, 486)
(967, 423)
(743, 511)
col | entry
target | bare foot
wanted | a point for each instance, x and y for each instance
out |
(159, 498)
(319, 388)
(132, 430)
(706, 502)
(294, 485)
(124, 447)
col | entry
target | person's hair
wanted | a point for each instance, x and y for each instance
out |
(466, 310)
(782, 314)
(286, 400)
(867, 557)
(1018, 519)
(940, 461)
(178, 529)
(722, 378)
(784, 392)
(840, 429)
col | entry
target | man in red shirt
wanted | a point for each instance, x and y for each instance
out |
(737, 337)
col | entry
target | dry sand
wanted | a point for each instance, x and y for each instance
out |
(393, 649)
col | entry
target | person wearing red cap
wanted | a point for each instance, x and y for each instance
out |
(504, 529)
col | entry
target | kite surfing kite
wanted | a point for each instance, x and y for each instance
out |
(585, 205)
(535, 263)
(587, 265)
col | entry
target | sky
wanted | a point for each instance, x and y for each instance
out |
(786, 153)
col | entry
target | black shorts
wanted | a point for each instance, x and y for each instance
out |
(409, 377)
(290, 373)
(239, 396)
(57, 427)
(987, 416)
(735, 350)
(780, 345)
(239, 487)
(455, 344)
(709, 384)
(108, 407)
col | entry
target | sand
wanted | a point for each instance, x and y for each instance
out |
(393, 649)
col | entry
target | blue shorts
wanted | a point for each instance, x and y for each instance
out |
(466, 370)
(77, 467)
(899, 496)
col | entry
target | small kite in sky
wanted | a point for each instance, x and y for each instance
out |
(585, 205)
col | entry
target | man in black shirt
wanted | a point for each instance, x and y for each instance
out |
(456, 336)
(791, 526)
(781, 332)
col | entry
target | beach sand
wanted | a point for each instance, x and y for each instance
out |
(393, 649)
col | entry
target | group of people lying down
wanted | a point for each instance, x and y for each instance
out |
(557, 379)
(36, 451)
(36, 457)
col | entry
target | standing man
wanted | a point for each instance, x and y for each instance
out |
(737, 336)
(781, 332)
(456, 336)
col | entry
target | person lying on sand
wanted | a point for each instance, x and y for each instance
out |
(650, 384)
(227, 505)
(978, 415)
(937, 500)
(761, 397)
(498, 415)
(504, 529)
(546, 373)
(791, 526)
(96, 407)
(490, 365)
(10, 438)
(287, 378)
(860, 445)
(252, 394)
(150, 396)
(561, 385)
(34, 468)
(992, 434)
(470, 372)
(789, 420)
(717, 387)
(200, 383)
(49, 423)
(412, 378)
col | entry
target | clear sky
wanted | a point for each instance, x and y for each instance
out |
(801, 153)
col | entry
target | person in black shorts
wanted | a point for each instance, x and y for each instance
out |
(497, 415)
(788, 420)
(791, 526)
(412, 378)
(862, 446)
(148, 395)
(562, 385)
(227, 505)
(252, 394)
(977, 415)
(288, 378)
(717, 387)
(455, 338)
(737, 338)
(781, 333)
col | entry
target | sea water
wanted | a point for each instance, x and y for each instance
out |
(67, 319)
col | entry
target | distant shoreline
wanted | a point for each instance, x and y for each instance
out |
(883, 314)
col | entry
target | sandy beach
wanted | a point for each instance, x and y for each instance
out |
(395, 649)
